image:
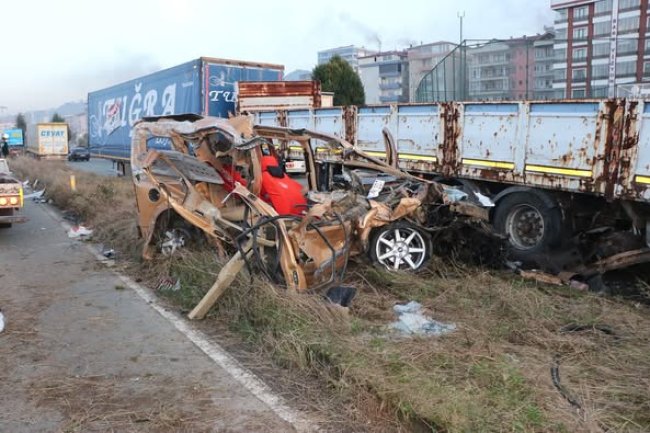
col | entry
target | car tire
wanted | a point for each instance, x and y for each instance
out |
(532, 225)
(400, 246)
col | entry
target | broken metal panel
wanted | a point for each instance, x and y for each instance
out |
(418, 136)
(370, 122)
(491, 140)
(637, 154)
(277, 95)
(565, 146)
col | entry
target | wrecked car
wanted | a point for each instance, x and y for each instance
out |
(223, 178)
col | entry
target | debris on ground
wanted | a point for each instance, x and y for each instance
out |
(37, 196)
(169, 284)
(2, 321)
(172, 242)
(109, 253)
(341, 295)
(411, 321)
(80, 232)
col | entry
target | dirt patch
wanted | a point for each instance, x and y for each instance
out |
(98, 403)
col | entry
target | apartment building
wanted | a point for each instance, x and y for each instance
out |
(543, 66)
(349, 53)
(601, 47)
(502, 69)
(423, 58)
(385, 77)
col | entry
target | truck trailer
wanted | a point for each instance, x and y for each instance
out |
(552, 170)
(204, 86)
(48, 140)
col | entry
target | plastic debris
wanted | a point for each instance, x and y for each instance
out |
(411, 321)
(169, 284)
(109, 254)
(483, 199)
(36, 195)
(174, 241)
(453, 195)
(79, 232)
(2, 321)
(341, 295)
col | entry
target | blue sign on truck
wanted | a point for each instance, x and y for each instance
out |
(203, 86)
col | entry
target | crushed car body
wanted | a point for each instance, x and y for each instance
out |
(224, 178)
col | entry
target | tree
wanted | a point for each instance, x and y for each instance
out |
(56, 118)
(338, 76)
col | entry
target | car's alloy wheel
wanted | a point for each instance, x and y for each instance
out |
(400, 247)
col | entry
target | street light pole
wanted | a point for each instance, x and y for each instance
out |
(461, 15)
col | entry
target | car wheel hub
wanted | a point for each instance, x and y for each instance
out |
(402, 248)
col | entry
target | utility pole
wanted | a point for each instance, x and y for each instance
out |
(461, 15)
(462, 92)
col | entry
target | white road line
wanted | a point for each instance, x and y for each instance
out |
(214, 351)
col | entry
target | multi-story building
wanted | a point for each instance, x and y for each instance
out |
(422, 58)
(348, 53)
(601, 46)
(385, 77)
(543, 66)
(502, 69)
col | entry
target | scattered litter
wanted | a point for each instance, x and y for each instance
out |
(36, 195)
(169, 284)
(26, 184)
(35, 184)
(172, 243)
(71, 216)
(341, 295)
(79, 232)
(109, 254)
(119, 287)
(453, 195)
(483, 199)
(411, 321)
(2, 321)
(377, 186)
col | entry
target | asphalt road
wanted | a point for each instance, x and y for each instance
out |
(80, 352)
(95, 165)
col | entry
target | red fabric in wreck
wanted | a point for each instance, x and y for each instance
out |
(284, 194)
(230, 175)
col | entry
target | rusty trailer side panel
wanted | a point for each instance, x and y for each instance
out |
(599, 147)
(253, 96)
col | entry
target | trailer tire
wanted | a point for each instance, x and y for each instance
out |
(532, 224)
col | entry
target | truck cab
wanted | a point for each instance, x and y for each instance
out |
(11, 197)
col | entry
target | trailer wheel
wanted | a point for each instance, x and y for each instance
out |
(532, 224)
(400, 246)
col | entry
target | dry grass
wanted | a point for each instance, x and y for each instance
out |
(106, 204)
(491, 375)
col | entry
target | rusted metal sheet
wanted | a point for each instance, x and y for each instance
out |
(253, 96)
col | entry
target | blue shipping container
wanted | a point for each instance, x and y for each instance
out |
(203, 86)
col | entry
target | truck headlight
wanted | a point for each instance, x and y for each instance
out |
(13, 200)
(3, 201)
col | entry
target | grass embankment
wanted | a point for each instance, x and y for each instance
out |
(492, 374)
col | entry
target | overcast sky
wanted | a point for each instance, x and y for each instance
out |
(57, 51)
